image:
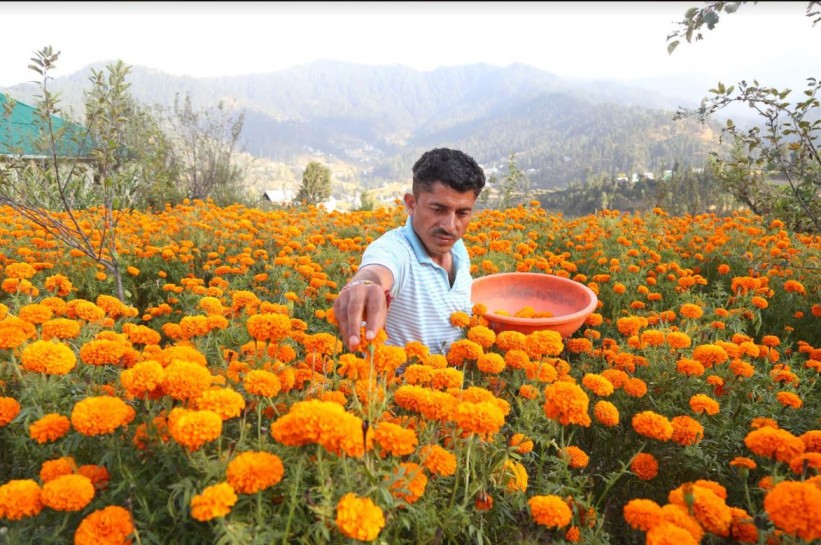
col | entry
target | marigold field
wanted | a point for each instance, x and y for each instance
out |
(217, 405)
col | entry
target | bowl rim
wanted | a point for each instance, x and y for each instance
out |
(555, 320)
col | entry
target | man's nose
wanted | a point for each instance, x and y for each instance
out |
(449, 222)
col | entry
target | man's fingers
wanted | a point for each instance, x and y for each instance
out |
(377, 313)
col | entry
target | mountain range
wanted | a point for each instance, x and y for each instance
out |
(376, 120)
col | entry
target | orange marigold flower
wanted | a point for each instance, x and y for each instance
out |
(680, 517)
(98, 475)
(49, 428)
(395, 440)
(35, 313)
(143, 379)
(192, 429)
(67, 493)
(710, 354)
(812, 440)
(111, 525)
(47, 357)
(58, 285)
(484, 417)
(521, 443)
(215, 501)
(801, 463)
(789, 399)
(250, 472)
(528, 391)
(617, 377)
(598, 384)
(686, 430)
(262, 383)
(667, 533)
(482, 335)
(689, 367)
(100, 415)
(742, 527)
(635, 387)
(707, 507)
(463, 350)
(185, 380)
(543, 343)
(701, 403)
(225, 402)
(459, 319)
(643, 514)
(359, 518)
(630, 325)
(645, 466)
(491, 363)
(795, 508)
(763, 421)
(652, 425)
(60, 328)
(774, 443)
(409, 482)
(794, 286)
(678, 340)
(51, 469)
(606, 413)
(20, 499)
(576, 457)
(9, 409)
(741, 461)
(550, 511)
(567, 403)
(269, 327)
(483, 502)
(510, 340)
(438, 460)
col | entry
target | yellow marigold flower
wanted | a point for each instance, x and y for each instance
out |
(686, 430)
(9, 409)
(789, 399)
(48, 357)
(408, 482)
(20, 499)
(359, 518)
(395, 440)
(606, 413)
(576, 457)
(269, 327)
(484, 417)
(67, 493)
(100, 415)
(251, 472)
(215, 501)
(597, 384)
(262, 383)
(185, 380)
(645, 466)
(49, 428)
(774, 443)
(51, 469)
(707, 507)
(438, 460)
(192, 429)
(111, 525)
(667, 533)
(566, 403)
(550, 511)
(643, 514)
(491, 363)
(701, 403)
(513, 476)
(652, 425)
(143, 379)
(225, 402)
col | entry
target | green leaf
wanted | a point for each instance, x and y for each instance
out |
(672, 47)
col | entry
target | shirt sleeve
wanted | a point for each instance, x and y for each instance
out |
(391, 254)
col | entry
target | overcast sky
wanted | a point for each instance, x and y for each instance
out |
(772, 41)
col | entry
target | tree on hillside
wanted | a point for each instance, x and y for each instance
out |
(205, 141)
(775, 168)
(316, 184)
(51, 195)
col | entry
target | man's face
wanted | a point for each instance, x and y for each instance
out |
(440, 217)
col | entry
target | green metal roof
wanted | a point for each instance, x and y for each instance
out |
(20, 133)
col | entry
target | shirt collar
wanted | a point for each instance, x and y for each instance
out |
(419, 250)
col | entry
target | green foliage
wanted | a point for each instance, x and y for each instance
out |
(775, 168)
(508, 192)
(316, 184)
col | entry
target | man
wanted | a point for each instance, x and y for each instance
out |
(423, 268)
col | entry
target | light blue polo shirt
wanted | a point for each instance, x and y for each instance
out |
(423, 298)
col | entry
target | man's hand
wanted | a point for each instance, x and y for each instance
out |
(362, 302)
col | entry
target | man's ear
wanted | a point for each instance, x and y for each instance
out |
(410, 203)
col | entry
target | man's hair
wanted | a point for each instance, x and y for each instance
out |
(453, 168)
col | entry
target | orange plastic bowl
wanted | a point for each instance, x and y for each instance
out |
(568, 301)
